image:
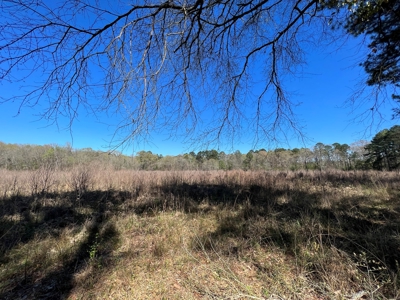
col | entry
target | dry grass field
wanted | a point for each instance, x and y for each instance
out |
(95, 233)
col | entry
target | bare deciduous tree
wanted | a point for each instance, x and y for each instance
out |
(160, 64)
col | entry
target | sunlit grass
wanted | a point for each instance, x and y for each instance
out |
(201, 235)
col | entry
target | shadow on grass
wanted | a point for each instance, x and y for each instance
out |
(257, 214)
(354, 224)
(45, 217)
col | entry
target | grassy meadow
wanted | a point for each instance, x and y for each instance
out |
(97, 233)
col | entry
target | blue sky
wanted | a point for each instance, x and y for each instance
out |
(326, 82)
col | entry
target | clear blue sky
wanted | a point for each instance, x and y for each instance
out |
(327, 81)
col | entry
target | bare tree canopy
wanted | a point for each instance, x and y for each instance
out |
(161, 64)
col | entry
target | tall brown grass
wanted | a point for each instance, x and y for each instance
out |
(94, 232)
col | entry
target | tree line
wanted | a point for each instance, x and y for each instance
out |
(382, 153)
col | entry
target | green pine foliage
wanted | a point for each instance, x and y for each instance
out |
(384, 150)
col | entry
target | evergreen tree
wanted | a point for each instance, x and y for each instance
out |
(384, 150)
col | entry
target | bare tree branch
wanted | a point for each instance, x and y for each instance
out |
(158, 65)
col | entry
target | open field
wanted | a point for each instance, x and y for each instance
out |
(94, 233)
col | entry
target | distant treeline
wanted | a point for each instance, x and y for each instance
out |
(338, 156)
(382, 153)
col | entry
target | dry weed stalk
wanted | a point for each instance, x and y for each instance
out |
(80, 180)
(266, 235)
(42, 179)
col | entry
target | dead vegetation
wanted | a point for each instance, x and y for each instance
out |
(95, 233)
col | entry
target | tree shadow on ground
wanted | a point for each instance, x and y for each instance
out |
(46, 216)
(354, 224)
(262, 213)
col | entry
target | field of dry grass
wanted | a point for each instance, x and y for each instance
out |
(95, 233)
